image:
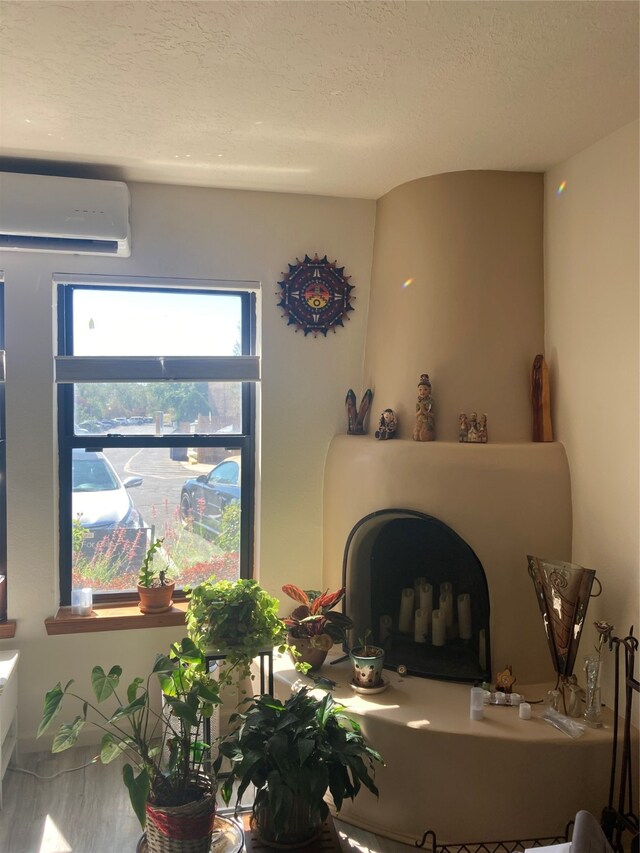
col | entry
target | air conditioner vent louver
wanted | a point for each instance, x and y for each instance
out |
(42, 213)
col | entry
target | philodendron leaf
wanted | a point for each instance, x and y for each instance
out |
(111, 748)
(138, 791)
(132, 689)
(103, 685)
(52, 702)
(67, 735)
(127, 710)
(182, 711)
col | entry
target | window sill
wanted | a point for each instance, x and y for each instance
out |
(7, 629)
(110, 618)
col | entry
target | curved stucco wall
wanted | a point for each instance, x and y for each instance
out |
(473, 316)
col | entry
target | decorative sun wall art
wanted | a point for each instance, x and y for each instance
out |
(315, 295)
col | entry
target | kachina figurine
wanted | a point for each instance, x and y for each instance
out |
(463, 426)
(472, 429)
(424, 429)
(355, 416)
(387, 426)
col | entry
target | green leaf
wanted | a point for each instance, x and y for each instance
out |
(67, 735)
(131, 708)
(111, 748)
(103, 685)
(138, 791)
(52, 702)
(163, 664)
(182, 711)
(132, 689)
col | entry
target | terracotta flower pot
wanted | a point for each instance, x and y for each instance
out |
(308, 652)
(156, 599)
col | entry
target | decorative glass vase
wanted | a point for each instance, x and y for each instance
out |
(592, 705)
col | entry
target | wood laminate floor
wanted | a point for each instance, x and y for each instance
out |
(88, 811)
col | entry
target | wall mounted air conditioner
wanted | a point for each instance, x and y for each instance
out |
(41, 213)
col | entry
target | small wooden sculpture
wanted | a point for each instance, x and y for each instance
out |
(505, 680)
(355, 416)
(424, 429)
(473, 436)
(387, 426)
(482, 428)
(540, 401)
(463, 427)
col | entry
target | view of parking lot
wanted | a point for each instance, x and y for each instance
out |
(123, 498)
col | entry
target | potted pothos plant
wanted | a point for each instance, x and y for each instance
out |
(171, 785)
(237, 618)
(313, 625)
(293, 752)
(154, 587)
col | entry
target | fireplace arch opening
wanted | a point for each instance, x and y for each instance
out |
(421, 592)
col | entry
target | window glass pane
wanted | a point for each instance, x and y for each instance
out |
(158, 408)
(112, 322)
(124, 497)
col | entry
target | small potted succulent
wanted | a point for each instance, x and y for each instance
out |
(293, 752)
(314, 626)
(237, 618)
(170, 783)
(154, 589)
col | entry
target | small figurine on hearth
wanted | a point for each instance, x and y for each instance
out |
(482, 428)
(505, 680)
(463, 427)
(473, 436)
(387, 426)
(424, 429)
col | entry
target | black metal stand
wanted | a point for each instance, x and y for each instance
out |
(616, 821)
(491, 846)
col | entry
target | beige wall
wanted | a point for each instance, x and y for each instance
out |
(473, 316)
(186, 233)
(591, 315)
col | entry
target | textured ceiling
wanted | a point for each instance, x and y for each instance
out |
(336, 98)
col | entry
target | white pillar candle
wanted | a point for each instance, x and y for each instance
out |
(464, 616)
(426, 602)
(524, 711)
(446, 605)
(439, 627)
(476, 711)
(420, 632)
(482, 648)
(406, 611)
(385, 627)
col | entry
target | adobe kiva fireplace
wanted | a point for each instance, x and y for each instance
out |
(408, 566)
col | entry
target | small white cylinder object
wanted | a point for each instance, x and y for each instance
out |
(446, 604)
(515, 699)
(385, 627)
(420, 632)
(426, 601)
(81, 601)
(524, 711)
(500, 697)
(439, 627)
(464, 616)
(477, 703)
(406, 610)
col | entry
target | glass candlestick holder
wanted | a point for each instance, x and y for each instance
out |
(592, 705)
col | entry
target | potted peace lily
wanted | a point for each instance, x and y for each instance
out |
(237, 618)
(171, 785)
(154, 588)
(292, 752)
(314, 626)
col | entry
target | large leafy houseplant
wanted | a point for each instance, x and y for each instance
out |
(238, 618)
(293, 752)
(167, 767)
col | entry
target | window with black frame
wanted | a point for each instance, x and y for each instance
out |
(156, 397)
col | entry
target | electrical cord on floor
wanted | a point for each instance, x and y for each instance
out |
(55, 775)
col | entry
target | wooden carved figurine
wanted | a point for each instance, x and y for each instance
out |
(355, 416)
(473, 436)
(424, 429)
(540, 401)
(463, 427)
(387, 426)
(482, 428)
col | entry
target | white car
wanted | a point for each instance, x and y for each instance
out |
(100, 499)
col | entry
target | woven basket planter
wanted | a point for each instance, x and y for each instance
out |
(181, 829)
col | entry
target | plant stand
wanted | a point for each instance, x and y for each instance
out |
(328, 841)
